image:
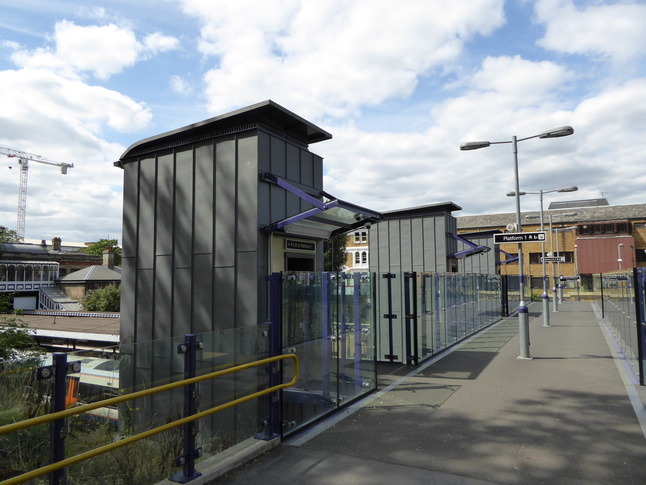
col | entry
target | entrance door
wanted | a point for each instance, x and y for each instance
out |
(299, 262)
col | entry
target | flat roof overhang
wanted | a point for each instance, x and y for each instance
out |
(266, 114)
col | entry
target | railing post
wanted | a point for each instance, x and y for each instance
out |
(58, 429)
(272, 420)
(187, 460)
(390, 316)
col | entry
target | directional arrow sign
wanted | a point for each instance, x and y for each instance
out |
(553, 259)
(519, 237)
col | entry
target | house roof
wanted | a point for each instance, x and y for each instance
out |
(93, 273)
(562, 216)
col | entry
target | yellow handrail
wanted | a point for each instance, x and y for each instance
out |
(146, 434)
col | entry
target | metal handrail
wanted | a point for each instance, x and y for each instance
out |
(146, 434)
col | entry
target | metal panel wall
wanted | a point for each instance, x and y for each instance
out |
(192, 214)
(412, 244)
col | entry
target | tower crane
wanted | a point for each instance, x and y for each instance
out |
(23, 160)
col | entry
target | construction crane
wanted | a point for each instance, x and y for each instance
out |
(23, 161)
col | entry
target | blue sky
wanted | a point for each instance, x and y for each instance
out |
(399, 86)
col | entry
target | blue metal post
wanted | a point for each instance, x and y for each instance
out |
(273, 421)
(187, 460)
(390, 316)
(58, 428)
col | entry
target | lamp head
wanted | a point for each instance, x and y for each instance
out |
(474, 145)
(513, 194)
(574, 188)
(557, 132)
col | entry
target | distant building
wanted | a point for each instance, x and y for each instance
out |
(589, 237)
(31, 270)
(78, 284)
(357, 250)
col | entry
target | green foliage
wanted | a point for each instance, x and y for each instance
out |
(334, 253)
(101, 245)
(9, 236)
(6, 302)
(16, 339)
(106, 299)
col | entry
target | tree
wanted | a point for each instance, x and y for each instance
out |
(101, 245)
(334, 253)
(9, 235)
(106, 299)
(15, 339)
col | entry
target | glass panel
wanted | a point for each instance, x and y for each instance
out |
(328, 323)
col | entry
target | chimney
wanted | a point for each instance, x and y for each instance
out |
(108, 257)
(56, 244)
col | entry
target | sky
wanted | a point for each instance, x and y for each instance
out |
(399, 85)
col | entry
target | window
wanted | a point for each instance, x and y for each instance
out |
(361, 237)
(357, 258)
(600, 228)
(364, 258)
(641, 255)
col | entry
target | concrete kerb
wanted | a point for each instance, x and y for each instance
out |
(228, 460)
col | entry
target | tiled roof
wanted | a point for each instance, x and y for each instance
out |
(583, 214)
(94, 273)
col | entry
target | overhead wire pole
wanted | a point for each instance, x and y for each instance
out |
(23, 161)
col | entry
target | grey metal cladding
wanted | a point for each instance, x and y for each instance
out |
(430, 245)
(307, 168)
(128, 293)
(202, 318)
(183, 213)
(165, 191)
(145, 288)
(146, 213)
(394, 246)
(182, 301)
(246, 299)
(223, 296)
(225, 202)
(406, 245)
(163, 296)
(130, 214)
(203, 226)
(417, 238)
(247, 199)
(293, 159)
(278, 157)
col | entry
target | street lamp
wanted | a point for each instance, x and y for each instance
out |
(523, 323)
(544, 298)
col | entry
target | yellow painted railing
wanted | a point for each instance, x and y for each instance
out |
(146, 434)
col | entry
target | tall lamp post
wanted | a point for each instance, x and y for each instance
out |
(545, 299)
(523, 323)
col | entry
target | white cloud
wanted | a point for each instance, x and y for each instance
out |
(612, 31)
(102, 50)
(332, 58)
(158, 42)
(180, 85)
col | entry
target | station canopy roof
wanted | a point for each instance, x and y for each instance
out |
(328, 217)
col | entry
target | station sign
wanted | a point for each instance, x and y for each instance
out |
(553, 259)
(519, 237)
(569, 278)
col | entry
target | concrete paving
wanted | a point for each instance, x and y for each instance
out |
(573, 414)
